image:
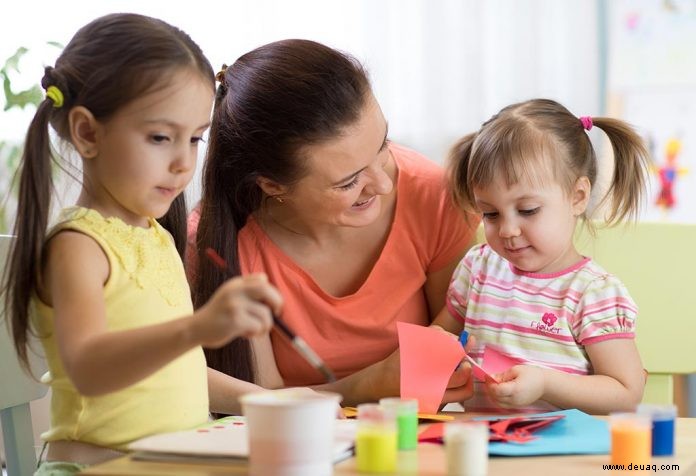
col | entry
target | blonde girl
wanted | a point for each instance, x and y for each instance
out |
(567, 325)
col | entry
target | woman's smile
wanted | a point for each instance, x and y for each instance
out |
(364, 204)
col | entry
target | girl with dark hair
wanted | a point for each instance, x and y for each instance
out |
(302, 183)
(105, 288)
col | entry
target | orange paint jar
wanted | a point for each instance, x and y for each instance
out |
(631, 435)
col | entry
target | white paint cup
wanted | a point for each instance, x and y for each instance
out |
(291, 432)
(466, 446)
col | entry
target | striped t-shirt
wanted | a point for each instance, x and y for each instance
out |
(539, 319)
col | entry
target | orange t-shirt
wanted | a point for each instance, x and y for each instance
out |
(352, 332)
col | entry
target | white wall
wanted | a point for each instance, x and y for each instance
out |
(439, 67)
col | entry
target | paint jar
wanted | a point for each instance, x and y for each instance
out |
(291, 432)
(375, 439)
(407, 463)
(663, 417)
(466, 447)
(630, 438)
(406, 411)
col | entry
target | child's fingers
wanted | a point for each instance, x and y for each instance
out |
(257, 318)
(439, 328)
(460, 376)
(460, 386)
(257, 287)
(470, 343)
(507, 375)
(501, 391)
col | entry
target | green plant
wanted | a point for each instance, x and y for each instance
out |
(31, 96)
(11, 152)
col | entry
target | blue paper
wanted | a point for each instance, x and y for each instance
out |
(577, 433)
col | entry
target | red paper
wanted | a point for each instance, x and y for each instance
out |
(495, 362)
(514, 429)
(479, 372)
(428, 358)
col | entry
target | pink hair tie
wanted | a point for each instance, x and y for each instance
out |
(586, 122)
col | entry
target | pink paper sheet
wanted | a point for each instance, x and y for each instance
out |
(480, 373)
(495, 362)
(428, 358)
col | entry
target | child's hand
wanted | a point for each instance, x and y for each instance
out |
(241, 307)
(460, 386)
(521, 385)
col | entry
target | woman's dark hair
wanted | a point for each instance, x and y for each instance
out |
(271, 102)
(108, 63)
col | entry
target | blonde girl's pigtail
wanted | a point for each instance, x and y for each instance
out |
(21, 277)
(457, 172)
(626, 191)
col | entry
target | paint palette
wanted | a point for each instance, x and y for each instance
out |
(222, 440)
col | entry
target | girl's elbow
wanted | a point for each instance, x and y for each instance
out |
(634, 395)
(87, 388)
(86, 384)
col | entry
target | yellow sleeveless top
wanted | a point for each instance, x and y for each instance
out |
(146, 286)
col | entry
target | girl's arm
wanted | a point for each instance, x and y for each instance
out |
(98, 360)
(436, 285)
(616, 385)
(447, 323)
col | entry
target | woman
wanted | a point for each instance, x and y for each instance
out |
(357, 233)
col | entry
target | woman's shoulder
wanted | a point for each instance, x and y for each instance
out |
(194, 217)
(415, 166)
(421, 182)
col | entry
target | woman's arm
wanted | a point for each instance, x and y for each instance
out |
(381, 379)
(224, 392)
(616, 385)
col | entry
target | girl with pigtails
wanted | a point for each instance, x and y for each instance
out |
(566, 324)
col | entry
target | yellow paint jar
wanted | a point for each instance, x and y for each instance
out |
(376, 439)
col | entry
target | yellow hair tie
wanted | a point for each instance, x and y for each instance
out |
(56, 96)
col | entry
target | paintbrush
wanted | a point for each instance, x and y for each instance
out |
(297, 342)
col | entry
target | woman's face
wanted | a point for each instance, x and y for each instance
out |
(346, 176)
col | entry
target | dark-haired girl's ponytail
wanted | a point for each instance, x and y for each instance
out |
(33, 206)
(174, 221)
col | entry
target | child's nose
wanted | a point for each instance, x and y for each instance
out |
(509, 229)
(184, 161)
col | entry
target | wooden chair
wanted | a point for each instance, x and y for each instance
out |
(17, 389)
(656, 262)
